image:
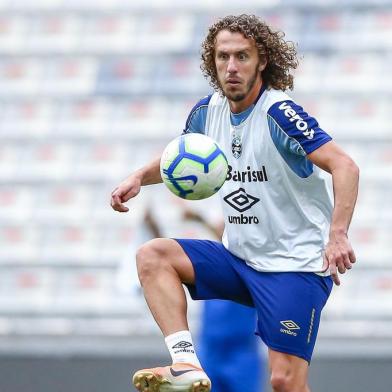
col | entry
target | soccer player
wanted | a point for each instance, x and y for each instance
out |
(285, 241)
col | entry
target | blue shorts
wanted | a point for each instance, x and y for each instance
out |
(288, 304)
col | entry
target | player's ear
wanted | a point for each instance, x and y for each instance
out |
(262, 65)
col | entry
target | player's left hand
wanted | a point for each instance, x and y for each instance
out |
(339, 256)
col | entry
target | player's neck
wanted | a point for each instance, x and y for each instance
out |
(250, 99)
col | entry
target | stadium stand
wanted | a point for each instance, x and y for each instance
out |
(90, 90)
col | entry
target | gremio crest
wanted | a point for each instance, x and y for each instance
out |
(236, 146)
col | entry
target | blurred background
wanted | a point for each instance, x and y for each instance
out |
(91, 90)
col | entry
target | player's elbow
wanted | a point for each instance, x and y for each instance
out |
(348, 166)
(352, 167)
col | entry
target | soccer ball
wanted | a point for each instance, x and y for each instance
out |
(193, 166)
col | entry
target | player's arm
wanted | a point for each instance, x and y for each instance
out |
(339, 254)
(150, 174)
(130, 187)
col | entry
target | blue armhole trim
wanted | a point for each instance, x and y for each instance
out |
(285, 145)
(197, 118)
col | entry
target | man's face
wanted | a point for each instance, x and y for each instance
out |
(238, 66)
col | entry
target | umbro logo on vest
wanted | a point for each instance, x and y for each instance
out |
(240, 200)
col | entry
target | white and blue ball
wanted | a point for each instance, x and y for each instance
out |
(193, 166)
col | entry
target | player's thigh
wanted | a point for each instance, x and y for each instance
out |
(166, 253)
(215, 277)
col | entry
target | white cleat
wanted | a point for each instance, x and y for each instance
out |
(179, 377)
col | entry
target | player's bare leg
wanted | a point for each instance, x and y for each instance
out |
(288, 372)
(162, 267)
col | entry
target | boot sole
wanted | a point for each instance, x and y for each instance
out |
(151, 382)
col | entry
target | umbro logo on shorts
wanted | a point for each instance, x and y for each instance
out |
(290, 324)
(290, 327)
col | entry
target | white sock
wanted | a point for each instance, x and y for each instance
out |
(181, 348)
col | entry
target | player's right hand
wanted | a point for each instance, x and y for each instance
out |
(127, 189)
(339, 256)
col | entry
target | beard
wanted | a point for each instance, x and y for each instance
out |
(239, 96)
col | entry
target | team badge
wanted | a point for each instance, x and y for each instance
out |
(236, 146)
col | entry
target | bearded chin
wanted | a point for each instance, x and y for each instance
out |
(236, 97)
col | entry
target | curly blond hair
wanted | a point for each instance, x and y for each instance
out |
(281, 55)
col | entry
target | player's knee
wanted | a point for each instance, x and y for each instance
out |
(148, 259)
(284, 382)
(279, 381)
